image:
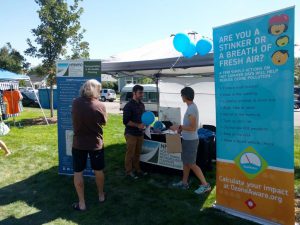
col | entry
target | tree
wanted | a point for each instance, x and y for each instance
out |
(38, 70)
(110, 85)
(59, 27)
(146, 80)
(80, 49)
(12, 60)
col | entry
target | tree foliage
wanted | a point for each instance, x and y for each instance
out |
(12, 60)
(80, 49)
(38, 70)
(110, 85)
(59, 27)
(146, 80)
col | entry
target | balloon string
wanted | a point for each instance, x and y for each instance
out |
(175, 62)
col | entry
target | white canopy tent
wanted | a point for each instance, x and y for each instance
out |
(7, 76)
(173, 72)
(158, 57)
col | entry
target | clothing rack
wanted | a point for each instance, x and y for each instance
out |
(10, 85)
(8, 78)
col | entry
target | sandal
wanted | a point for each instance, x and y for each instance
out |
(76, 207)
(105, 196)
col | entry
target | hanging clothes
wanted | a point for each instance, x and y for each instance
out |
(2, 107)
(12, 98)
(7, 85)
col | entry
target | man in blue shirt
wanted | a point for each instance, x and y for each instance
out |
(134, 132)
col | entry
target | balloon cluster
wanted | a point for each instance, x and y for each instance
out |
(183, 44)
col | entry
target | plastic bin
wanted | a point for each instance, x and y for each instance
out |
(44, 96)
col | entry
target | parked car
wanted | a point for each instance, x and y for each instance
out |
(108, 94)
(150, 98)
(27, 101)
(29, 96)
(296, 97)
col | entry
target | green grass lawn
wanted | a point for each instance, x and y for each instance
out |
(32, 192)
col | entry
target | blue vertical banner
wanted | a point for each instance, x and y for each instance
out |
(70, 75)
(254, 80)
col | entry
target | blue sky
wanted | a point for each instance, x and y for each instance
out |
(114, 26)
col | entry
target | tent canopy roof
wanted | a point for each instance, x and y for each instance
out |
(9, 76)
(158, 57)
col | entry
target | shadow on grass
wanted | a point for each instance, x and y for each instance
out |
(297, 173)
(21, 123)
(148, 200)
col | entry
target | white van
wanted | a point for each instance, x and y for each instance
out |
(150, 97)
(108, 94)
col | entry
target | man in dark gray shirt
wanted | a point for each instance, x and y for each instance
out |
(134, 134)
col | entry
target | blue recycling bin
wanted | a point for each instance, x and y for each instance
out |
(44, 96)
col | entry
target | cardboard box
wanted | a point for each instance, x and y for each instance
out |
(173, 143)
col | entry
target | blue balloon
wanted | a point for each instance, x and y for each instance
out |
(181, 42)
(158, 125)
(190, 51)
(203, 47)
(148, 118)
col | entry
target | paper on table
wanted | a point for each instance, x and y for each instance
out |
(169, 132)
(147, 132)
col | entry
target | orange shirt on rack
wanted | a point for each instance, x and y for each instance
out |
(12, 99)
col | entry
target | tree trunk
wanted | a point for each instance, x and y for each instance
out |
(51, 100)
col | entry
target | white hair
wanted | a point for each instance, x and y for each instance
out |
(90, 89)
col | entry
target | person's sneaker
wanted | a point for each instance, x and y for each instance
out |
(131, 175)
(202, 189)
(180, 185)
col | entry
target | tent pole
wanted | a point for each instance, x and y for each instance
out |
(157, 92)
(39, 102)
